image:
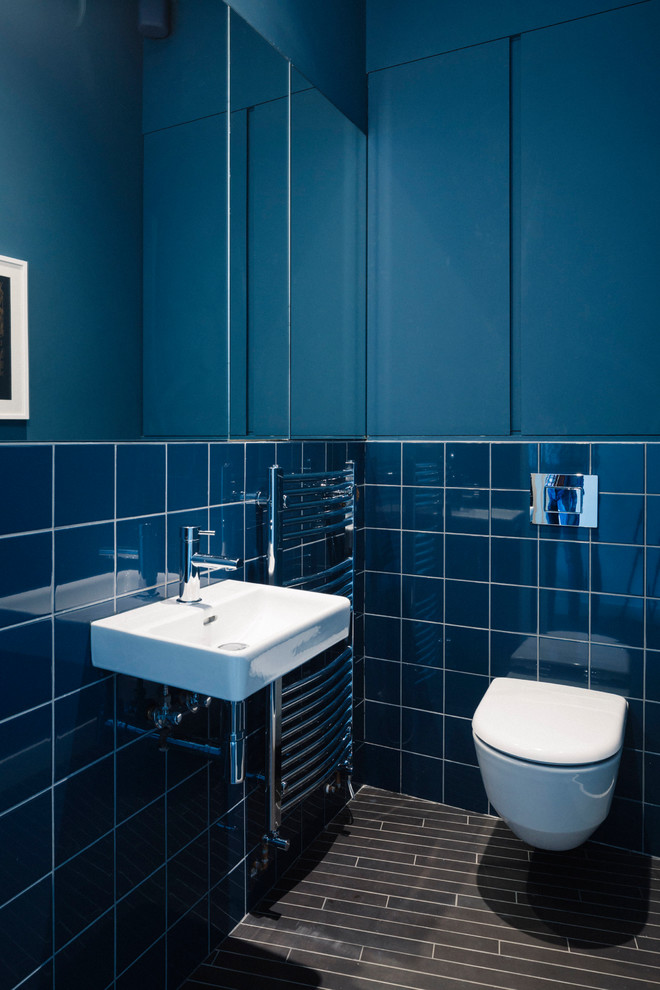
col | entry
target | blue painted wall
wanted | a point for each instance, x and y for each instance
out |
(325, 41)
(120, 860)
(565, 227)
(428, 27)
(70, 204)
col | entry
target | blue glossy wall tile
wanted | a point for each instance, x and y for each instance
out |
(510, 514)
(383, 550)
(563, 564)
(382, 681)
(25, 667)
(26, 575)
(467, 511)
(513, 655)
(564, 661)
(422, 598)
(259, 458)
(26, 929)
(620, 519)
(84, 727)
(421, 642)
(84, 483)
(73, 648)
(463, 692)
(466, 603)
(25, 845)
(423, 776)
(382, 593)
(422, 553)
(619, 670)
(25, 752)
(140, 553)
(84, 808)
(617, 620)
(459, 743)
(84, 889)
(619, 466)
(382, 506)
(466, 649)
(512, 464)
(422, 688)
(422, 732)
(617, 570)
(26, 501)
(423, 509)
(382, 724)
(564, 614)
(89, 958)
(467, 557)
(468, 465)
(187, 475)
(564, 458)
(514, 561)
(140, 479)
(423, 464)
(383, 464)
(84, 565)
(228, 472)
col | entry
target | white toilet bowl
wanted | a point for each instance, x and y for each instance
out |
(549, 756)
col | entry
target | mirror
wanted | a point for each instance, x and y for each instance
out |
(266, 339)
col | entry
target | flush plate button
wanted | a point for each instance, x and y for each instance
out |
(564, 500)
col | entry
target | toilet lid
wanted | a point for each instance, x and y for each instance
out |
(550, 723)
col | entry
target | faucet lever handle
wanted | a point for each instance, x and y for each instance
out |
(206, 532)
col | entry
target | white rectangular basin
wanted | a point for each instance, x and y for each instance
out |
(236, 640)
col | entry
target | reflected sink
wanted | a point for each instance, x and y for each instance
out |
(236, 640)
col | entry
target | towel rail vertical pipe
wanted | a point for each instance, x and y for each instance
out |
(320, 505)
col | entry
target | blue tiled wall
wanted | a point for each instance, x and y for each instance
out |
(460, 587)
(105, 840)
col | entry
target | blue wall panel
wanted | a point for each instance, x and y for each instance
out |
(590, 214)
(185, 279)
(328, 230)
(438, 336)
(400, 33)
(70, 203)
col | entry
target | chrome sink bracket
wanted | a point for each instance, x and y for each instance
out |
(274, 783)
(237, 743)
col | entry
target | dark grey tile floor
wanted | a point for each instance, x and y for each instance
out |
(399, 892)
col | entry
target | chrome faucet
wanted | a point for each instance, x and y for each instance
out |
(192, 562)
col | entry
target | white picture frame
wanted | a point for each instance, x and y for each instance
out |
(14, 384)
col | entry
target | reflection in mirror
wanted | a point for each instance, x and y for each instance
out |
(259, 238)
(328, 239)
(185, 226)
(254, 301)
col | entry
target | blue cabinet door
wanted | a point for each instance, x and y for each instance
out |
(590, 214)
(438, 309)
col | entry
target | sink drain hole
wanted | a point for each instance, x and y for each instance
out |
(233, 647)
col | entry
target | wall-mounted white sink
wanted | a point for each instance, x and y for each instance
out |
(237, 639)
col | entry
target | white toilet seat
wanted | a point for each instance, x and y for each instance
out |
(550, 723)
(549, 756)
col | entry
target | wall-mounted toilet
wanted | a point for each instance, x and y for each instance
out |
(549, 756)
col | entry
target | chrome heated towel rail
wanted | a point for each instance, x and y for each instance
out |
(310, 546)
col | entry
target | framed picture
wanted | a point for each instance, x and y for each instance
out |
(13, 339)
